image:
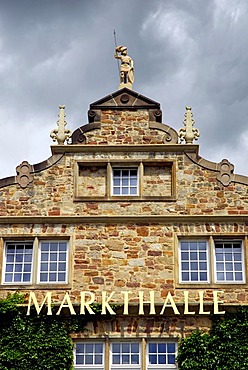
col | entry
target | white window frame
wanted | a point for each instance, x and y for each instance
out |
(36, 261)
(231, 241)
(125, 167)
(129, 366)
(211, 260)
(161, 366)
(181, 281)
(16, 243)
(89, 366)
(57, 272)
(143, 353)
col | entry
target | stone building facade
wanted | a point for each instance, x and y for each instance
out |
(128, 217)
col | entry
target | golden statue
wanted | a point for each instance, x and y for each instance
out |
(126, 68)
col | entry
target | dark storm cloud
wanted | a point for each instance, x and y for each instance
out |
(186, 52)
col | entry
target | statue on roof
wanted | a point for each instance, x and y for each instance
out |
(126, 68)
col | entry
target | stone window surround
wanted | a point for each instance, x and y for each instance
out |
(210, 241)
(35, 284)
(109, 163)
(143, 352)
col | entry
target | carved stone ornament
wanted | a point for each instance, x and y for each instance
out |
(126, 67)
(188, 133)
(225, 175)
(24, 176)
(60, 134)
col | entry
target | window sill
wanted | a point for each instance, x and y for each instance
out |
(35, 286)
(126, 198)
(190, 286)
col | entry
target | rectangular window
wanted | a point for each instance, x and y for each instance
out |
(125, 181)
(211, 261)
(116, 180)
(18, 263)
(26, 263)
(53, 262)
(125, 355)
(89, 356)
(229, 262)
(194, 261)
(161, 355)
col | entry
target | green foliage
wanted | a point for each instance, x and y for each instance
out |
(224, 348)
(37, 342)
(34, 342)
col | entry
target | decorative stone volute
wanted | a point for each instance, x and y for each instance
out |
(188, 133)
(24, 176)
(225, 176)
(61, 134)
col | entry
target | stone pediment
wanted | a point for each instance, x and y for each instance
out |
(125, 99)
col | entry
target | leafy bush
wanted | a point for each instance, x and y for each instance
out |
(224, 348)
(32, 342)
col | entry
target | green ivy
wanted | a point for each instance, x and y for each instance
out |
(37, 342)
(34, 342)
(225, 347)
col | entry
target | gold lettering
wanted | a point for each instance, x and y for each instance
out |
(217, 302)
(201, 309)
(171, 304)
(141, 303)
(105, 303)
(69, 305)
(186, 304)
(152, 303)
(126, 298)
(86, 304)
(32, 297)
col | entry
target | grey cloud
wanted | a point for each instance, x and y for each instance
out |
(186, 52)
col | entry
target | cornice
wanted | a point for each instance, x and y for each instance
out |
(58, 149)
(141, 219)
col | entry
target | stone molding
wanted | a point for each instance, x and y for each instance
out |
(24, 174)
(123, 219)
(58, 149)
(29, 172)
(125, 99)
(224, 169)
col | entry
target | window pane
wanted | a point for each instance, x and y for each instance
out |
(125, 353)
(18, 263)
(228, 253)
(161, 353)
(53, 262)
(125, 181)
(194, 267)
(89, 354)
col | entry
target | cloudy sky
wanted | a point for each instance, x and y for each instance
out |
(186, 52)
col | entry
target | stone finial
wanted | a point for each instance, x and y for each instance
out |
(188, 133)
(60, 134)
(126, 68)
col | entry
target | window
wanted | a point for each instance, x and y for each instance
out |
(117, 180)
(125, 181)
(89, 356)
(53, 262)
(211, 261)
(125, 355)
(229, 261)
(31, 262)
(18, 262)
(194, 261)
(161, 355)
